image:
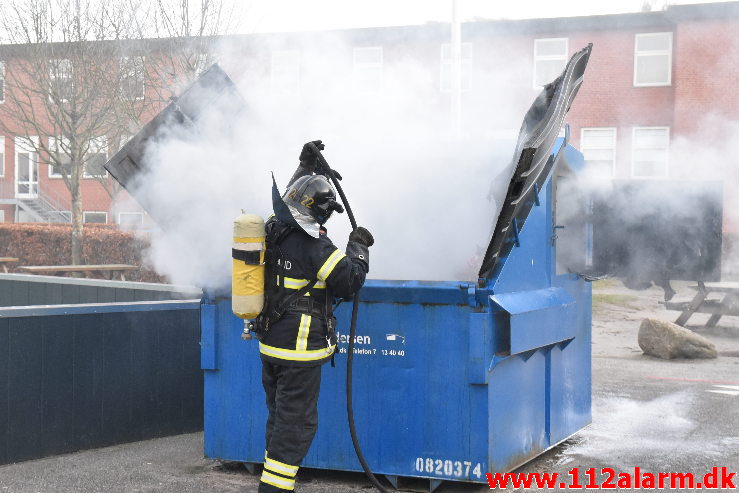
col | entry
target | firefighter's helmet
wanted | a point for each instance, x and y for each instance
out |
(313, 196)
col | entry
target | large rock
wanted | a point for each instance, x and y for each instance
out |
(667, 341)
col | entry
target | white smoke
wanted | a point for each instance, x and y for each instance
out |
(624, 431)
(712, 153)
(422, 191)
(673, 209)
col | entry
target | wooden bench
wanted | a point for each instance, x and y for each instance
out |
(727, 304)
(104, 271)
(4, 261)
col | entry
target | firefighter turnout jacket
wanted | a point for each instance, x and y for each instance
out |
(304, 335)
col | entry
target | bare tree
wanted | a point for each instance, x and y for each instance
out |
(177, 41)
(59, 87)
(186, 33)
(80, 77)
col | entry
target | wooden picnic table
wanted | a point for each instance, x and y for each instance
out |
(103, 271)
(727, 304)
(6, 260)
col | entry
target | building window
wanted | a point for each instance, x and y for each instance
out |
(598, 146)
(650, 149)
(199, 63)
(95, 158)
(367, 73)
(95, 217)
(131, 219)
(60, 76)
(550, 59)
(133, 77)
(446, 67)
(59, 160)
(2, 156)
(123, 140)
(2, 82)
(26, 167)
(64, 216)
(285, 72)
(653, 59)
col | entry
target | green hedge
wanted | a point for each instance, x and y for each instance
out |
(51, 244)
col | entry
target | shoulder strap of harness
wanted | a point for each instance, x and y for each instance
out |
(276, 234)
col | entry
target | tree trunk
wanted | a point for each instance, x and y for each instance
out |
(76, 222)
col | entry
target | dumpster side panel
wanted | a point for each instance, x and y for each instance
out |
(83, 376)
(59, 402)
(517, 402)
(415, 410)
(235, 412)
(571, 376)
(4, 387)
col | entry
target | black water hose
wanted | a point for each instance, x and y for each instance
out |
(352, 334)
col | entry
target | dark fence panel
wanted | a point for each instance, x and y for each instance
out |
(31, 290)
(85, 376)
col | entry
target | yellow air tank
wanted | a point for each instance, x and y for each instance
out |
(248, 266)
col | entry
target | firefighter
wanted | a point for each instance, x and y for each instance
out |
(304, 275)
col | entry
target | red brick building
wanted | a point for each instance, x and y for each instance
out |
(659, 92)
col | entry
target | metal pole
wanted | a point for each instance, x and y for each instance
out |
(456, 48)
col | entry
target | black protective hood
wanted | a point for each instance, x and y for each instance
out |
(280, 208)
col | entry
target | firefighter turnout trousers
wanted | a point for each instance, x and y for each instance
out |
(292, 399)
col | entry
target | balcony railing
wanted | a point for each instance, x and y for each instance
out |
(47, 205)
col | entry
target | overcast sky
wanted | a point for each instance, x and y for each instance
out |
(306, 15)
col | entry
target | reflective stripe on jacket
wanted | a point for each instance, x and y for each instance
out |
(300, 337)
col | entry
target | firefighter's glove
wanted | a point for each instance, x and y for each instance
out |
(362, 236)
(308, 158)
(358, 252)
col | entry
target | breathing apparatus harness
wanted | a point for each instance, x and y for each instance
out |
(330, 174)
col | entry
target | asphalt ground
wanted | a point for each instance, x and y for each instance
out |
(661, 416)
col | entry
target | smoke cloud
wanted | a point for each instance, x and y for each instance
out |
(623, 432)
(429, 196)
(668, 228)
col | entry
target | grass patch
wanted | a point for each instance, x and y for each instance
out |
(606, 283)
(622, 300)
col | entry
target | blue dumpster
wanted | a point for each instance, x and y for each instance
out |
(452, 379)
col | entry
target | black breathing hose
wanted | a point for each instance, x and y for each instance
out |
(352, 333)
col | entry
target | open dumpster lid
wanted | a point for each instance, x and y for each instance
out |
(213, 88)
(532, 156)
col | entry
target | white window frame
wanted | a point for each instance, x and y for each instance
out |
(133, 66)
(123, 139)
(667, 52)
(53, 144)
(634, 150)
(200, 63)
(53, 76)
(286, 70)
(85, 213)
(97, 145)
(29, 144)
(2, 82)
(139, 214)
(613, 147)
(2, 151)
(359, 69)
(66, 213)
(465, 67)
(541, 58)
